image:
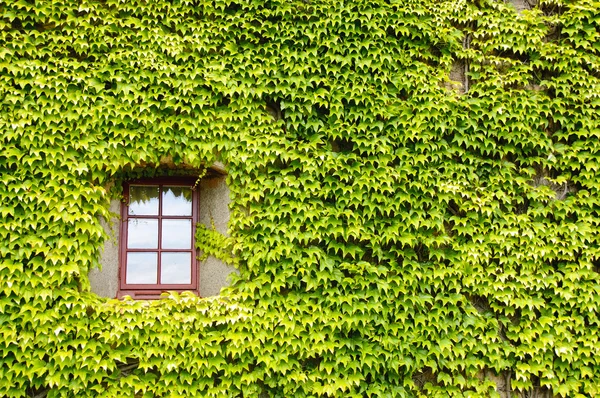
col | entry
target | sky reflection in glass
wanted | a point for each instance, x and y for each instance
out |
(177, 201)
(142, 268)
(143, 200)
(175, 268)
(176, 234)
(142, 233)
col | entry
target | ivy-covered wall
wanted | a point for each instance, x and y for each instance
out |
(397, 233)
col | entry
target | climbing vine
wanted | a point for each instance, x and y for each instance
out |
(212, 243)
(397, 232)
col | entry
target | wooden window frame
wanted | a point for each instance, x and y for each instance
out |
(153, 291)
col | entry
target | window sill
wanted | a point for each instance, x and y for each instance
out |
(149, 294)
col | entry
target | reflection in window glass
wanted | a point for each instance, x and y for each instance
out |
(177, 201)
(142, 233)
(176, 234)
(175, 268)
(143, 200)
(142, 268)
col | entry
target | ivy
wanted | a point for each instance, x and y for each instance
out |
(213, 243)
(397, 233)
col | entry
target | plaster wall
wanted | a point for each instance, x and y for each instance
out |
(522, 5)
(213, 273)
(214, 208)
(105, 281)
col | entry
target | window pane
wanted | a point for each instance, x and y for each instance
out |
(142, 233)
(176, 268)
(142, 268)
(177, 201)
(143, 200)
(176, 234)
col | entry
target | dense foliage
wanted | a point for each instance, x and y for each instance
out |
(397, 233)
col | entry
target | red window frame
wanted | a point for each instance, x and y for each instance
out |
(153, 291)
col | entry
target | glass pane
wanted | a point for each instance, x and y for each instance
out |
(176, 234)
(176, 268)
(177, 201)
(142, 233)
(142, 268)
(143, 200)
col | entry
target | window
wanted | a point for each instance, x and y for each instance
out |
(156, 248)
